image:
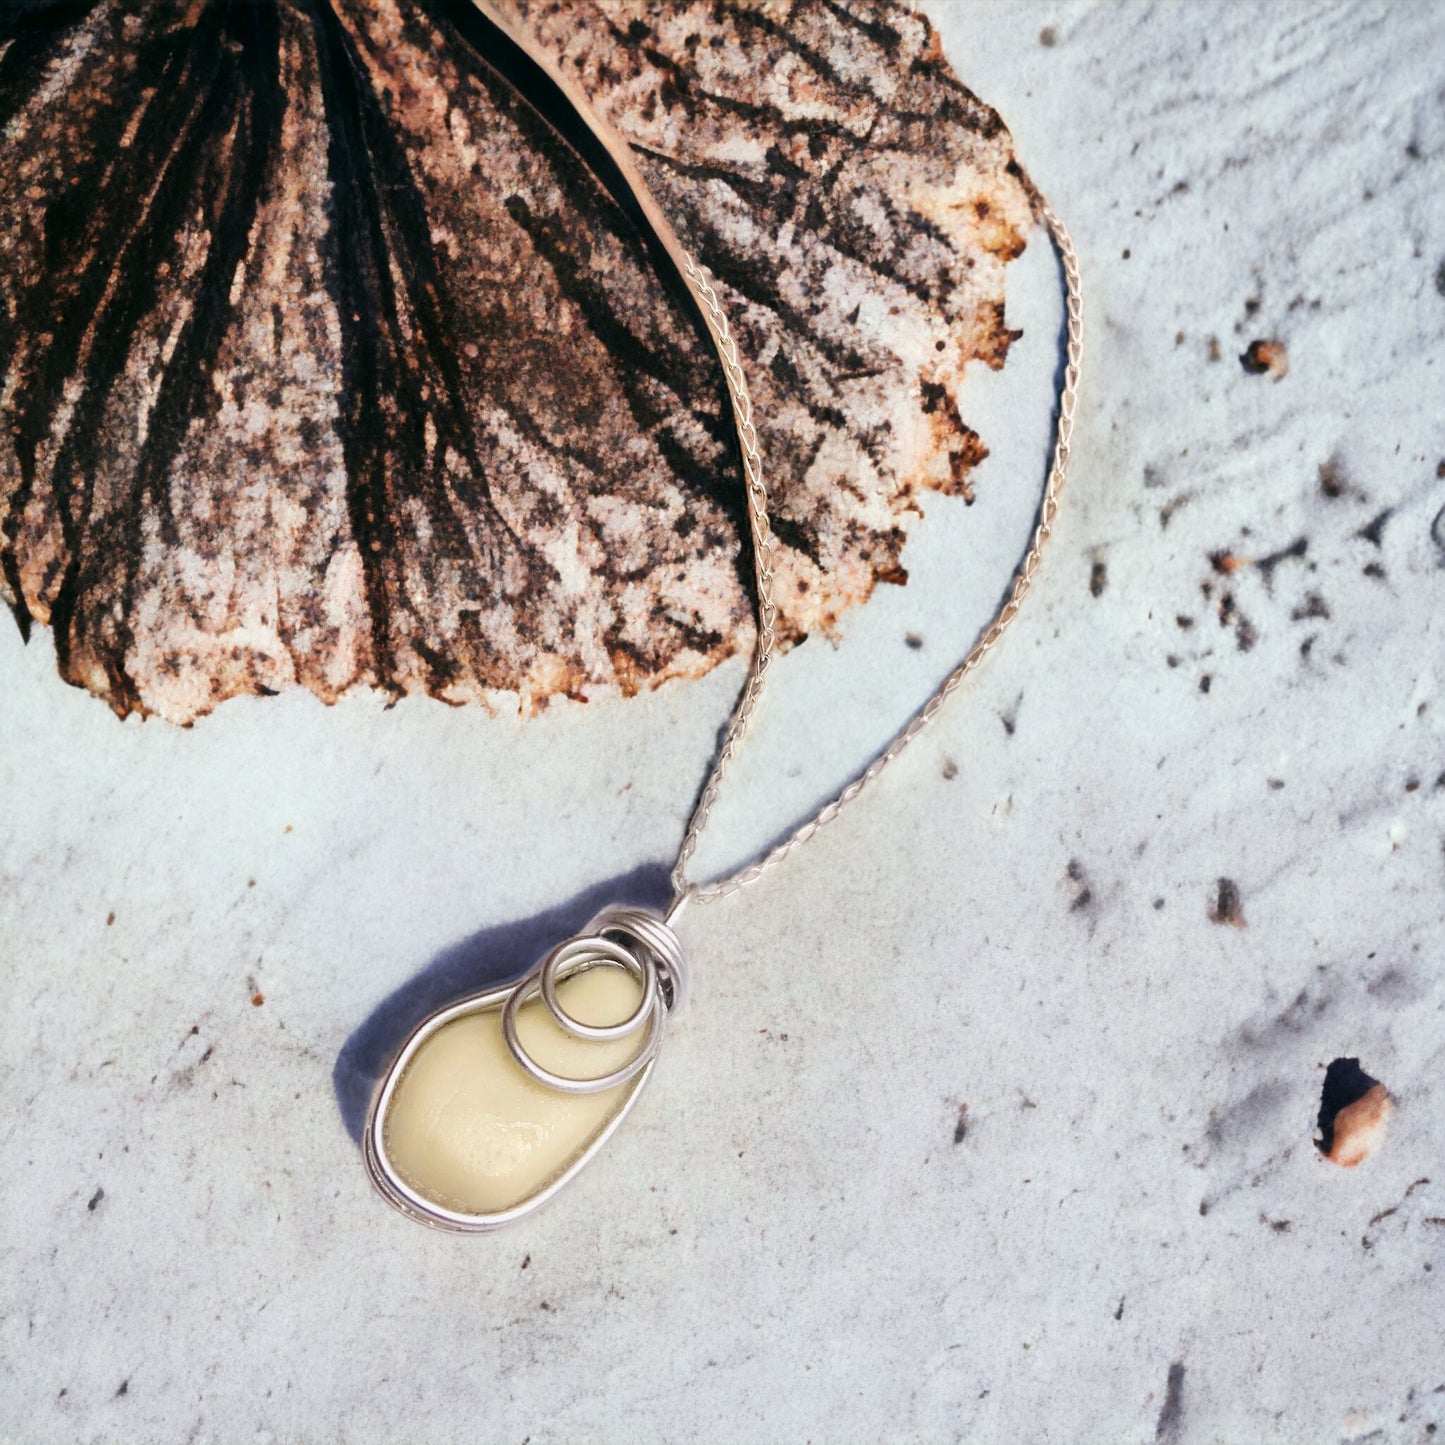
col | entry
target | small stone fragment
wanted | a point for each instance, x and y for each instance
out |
(1332, 478)
(1266, 358)
(1354, 1110)
(1226, 907)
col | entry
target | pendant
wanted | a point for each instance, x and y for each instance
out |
(497, 1102)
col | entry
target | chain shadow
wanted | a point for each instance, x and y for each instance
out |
(493, 956)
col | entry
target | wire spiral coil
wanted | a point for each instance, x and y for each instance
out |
(631, 939)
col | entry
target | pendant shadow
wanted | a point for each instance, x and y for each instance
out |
(486, 959)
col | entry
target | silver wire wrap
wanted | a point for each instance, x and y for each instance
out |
(627, 938)
(763, 555)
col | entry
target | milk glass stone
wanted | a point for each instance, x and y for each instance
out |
(461, 1130)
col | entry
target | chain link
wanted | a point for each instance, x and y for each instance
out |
(757, 506)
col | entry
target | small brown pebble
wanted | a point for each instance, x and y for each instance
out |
(1266, 357)
(1048, 37)
(257, 999)
(1357, 1129)
(1226, 907)
(1332, 478)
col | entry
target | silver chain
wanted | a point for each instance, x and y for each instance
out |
(762, 534)
(757, 505)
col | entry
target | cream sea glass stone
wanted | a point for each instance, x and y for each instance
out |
(466, 1129)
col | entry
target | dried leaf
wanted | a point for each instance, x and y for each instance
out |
(328, 362)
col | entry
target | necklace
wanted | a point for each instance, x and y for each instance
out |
(496, 1102)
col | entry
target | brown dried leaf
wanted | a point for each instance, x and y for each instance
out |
(328, 362)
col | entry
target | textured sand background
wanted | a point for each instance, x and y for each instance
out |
(979, 1125)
